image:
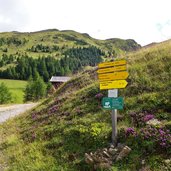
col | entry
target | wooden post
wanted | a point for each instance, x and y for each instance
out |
(114, 93)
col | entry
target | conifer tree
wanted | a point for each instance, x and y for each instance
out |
(5, 95)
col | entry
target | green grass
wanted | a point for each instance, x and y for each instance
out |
(56, 135)
(16, 87)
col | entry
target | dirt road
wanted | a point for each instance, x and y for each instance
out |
(13, 110)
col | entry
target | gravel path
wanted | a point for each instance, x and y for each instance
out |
(13, 110)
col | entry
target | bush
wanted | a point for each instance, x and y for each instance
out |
(35, 89)
(149, 138)
(5, 95)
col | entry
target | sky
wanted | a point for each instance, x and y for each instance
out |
(145, 21)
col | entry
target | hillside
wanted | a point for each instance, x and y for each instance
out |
(55, 42)
(57, 133)
(54, 52)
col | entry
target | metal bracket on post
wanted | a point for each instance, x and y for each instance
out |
(114, 93)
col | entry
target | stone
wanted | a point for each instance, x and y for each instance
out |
(143, 162)
(113, 151)
(88, 159)
(124, 152)
(105, 149)
(153, 122)
(167, 161)
(145, 168)
(120, 146)
(112, 146)
(91, 154)
(106, 154)
(103, 166)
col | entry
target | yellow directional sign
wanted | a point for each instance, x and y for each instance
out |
(113, 63)
(113, 84)
(112, 69)
(113, 76)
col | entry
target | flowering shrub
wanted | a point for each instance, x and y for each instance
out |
(148, 117)
(53, 109)
(34, 116)
(149, 138)
(137, 119)
(160, 136)
(99, 96)
(130, 131)
(140, 119)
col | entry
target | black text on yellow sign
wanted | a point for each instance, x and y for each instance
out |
(110, 64)
(117, 84)
(113, 76)
(112, 69)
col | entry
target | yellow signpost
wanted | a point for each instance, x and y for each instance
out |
(113, 76)
(110, 64)
(106, 85)
(112, 80)
(112, 69)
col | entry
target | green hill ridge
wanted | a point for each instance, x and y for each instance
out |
(56, 134)
(25, 43)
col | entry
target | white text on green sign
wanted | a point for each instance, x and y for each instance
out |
(112, 103)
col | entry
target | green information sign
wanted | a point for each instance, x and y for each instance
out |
(112, 103)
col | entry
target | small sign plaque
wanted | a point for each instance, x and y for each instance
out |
(112, 103)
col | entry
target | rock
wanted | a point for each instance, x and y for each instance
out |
(167, 161)
(120, 146)
(103, 166)
(112, 151)
(145, 168)
(105, 149)
(153, 122)
(143, 162)
(103, 158)
(112, 146)
(91, 154)
(88, 159)
(124, 152)
(106, 154)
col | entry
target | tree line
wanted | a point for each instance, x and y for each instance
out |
(73, 60)
(12, 40)
(35, 90)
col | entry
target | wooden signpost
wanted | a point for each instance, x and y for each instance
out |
(112, 77)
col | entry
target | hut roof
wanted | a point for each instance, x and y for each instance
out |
(59, 79)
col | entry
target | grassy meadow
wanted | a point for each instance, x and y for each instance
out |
(56, 135)
(16, 87)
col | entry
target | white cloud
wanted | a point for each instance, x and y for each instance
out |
(165, 29)
(13, 15)
(137, 19)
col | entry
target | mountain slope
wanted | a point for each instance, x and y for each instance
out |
(57, 134)
(55, 42)
(54, 52)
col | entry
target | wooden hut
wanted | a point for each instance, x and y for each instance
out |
(58, 80)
